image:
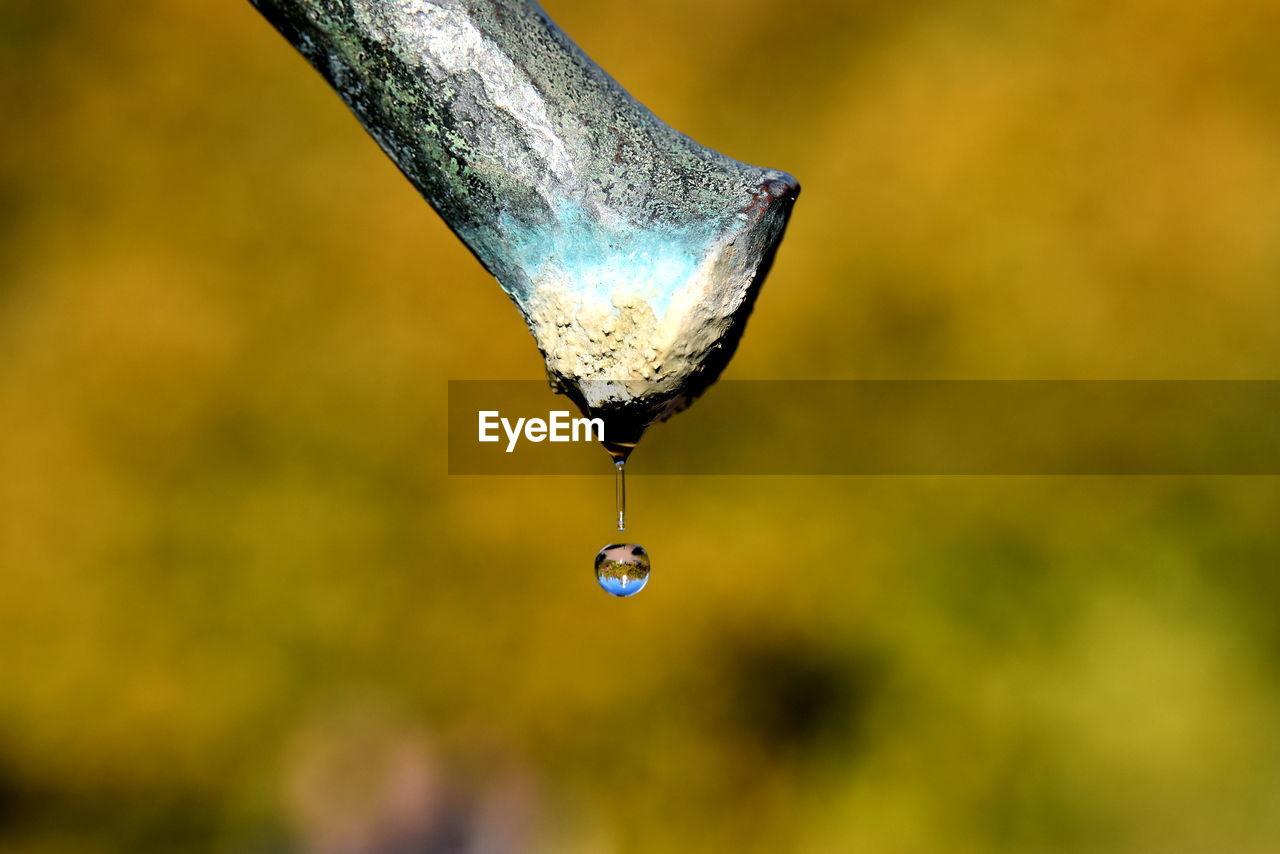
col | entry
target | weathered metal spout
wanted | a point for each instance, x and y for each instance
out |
(633, 253)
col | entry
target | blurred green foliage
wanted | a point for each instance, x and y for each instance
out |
(242, 607)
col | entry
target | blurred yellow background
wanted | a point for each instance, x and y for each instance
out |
(244, 609)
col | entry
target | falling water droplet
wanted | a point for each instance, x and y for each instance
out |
(622, 569)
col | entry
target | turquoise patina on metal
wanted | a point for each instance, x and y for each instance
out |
(632, 252)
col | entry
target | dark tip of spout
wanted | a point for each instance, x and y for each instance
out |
(618, 452)
(622, 432)
(624, 421)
